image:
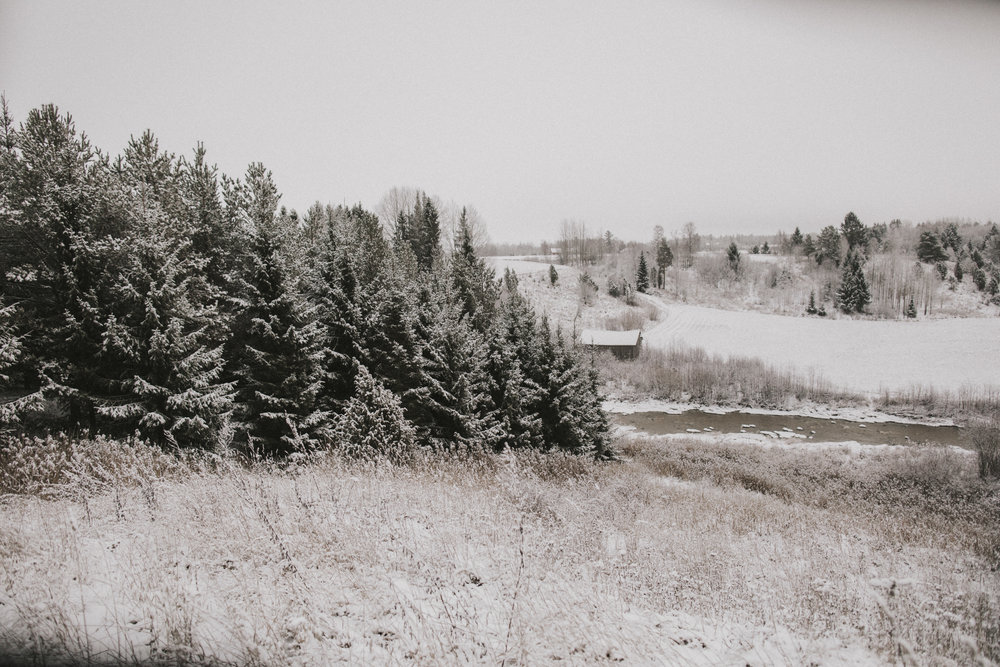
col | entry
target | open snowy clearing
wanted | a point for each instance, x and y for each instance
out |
(860, 355)
(867, 356)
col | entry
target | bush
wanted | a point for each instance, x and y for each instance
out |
(985, 436)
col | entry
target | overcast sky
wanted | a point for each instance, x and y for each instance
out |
(737, 116)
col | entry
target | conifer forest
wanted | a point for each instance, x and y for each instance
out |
(148, 293)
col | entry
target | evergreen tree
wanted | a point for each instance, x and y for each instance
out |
(474, 282)
(959, 273)
(796, 238)
(161, 353)
(808, 247)
(979, 278)
(15, 402)
(929, 248)
(642, 274)
(733, 257)
(950, 238)
(56, 229)
(280, 346)
(449, 401)
(372, 423)
(854, 232)
(828, 245)
(911, 309)
(765, 249)
(553, 275)
(811, 308)
(853, 294)
(664, 258)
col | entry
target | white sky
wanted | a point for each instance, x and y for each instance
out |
(738, 116)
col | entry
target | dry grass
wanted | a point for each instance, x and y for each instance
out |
(685, 374)
(681, 553)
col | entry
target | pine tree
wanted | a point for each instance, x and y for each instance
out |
(372, 423)
(16, 403)
(449, 402)
(959, 273)
(911, 309)
(473, 281)
(853, 294)
(929, 248)
(808, 247)
(280, 347)
(664, 258)
(796, 238)
(811, 308)
(765, 249)
(56, 227)
(828, 245)
(642, 274)
(553, 275)
(854, 232)
(733, 257)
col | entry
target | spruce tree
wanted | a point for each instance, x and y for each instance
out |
(796, 238)
(828, 245)
(911, 309)
(57, 226)
(473, 280)
(853, 294)
(929, 248)
(854, 232)
(372, 423)
(162, 352)
(280, 347)
(16, 402)
(642, 274)
(959, 273)
(811, 308)
(553, 275)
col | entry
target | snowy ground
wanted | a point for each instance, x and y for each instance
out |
(861, 355)
(867, 356)
(484, 562)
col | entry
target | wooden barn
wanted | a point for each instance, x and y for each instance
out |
(623, 344)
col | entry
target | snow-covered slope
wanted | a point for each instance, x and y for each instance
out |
(863, 355)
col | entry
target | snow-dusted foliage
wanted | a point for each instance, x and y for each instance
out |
(155, 295)
(372, 423)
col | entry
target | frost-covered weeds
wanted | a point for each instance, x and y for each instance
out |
(683, 373)
(679, 553)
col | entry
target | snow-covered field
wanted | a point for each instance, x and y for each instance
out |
(856, 354)
(504, 559)
(861, 355)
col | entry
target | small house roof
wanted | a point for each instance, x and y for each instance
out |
(611, 338)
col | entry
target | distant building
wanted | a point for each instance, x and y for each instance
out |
(623, 344)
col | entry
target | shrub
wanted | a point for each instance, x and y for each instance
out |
(985, 436)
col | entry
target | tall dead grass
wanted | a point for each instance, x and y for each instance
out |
(680, 554)
(683, 373)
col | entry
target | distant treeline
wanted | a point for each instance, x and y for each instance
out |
(149, 293)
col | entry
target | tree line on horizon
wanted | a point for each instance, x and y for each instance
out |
(148, 293)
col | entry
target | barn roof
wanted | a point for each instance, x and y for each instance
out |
(610, 338)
